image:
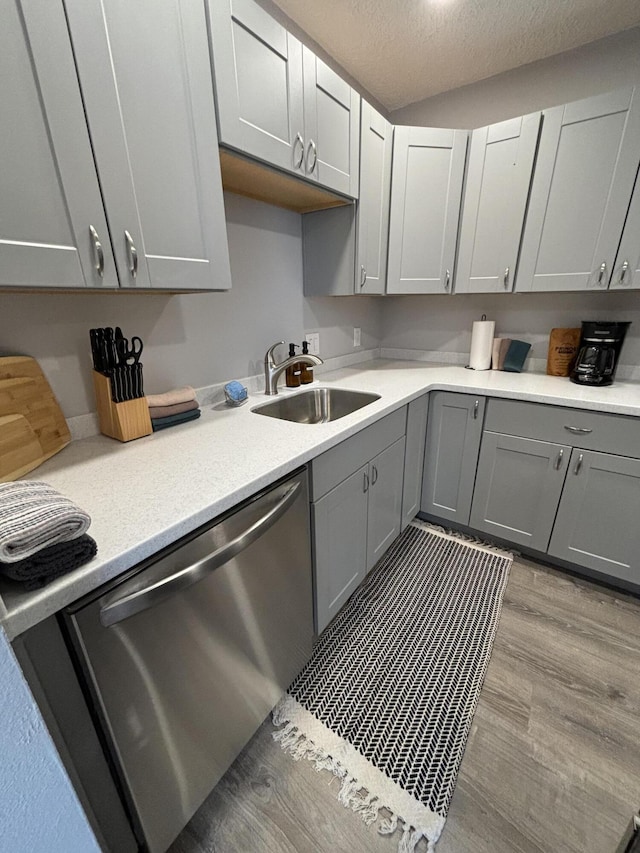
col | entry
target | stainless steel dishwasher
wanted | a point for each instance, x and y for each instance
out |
(186, 656)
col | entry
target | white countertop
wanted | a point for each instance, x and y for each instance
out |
(144, 495)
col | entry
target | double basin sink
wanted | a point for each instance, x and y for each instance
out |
(317, 406)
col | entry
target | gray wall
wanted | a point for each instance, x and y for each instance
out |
(195, 339)
(444, 323)
(39, 811)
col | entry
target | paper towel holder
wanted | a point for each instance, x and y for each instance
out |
(483, 319)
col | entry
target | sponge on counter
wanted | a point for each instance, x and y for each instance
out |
(235, 393)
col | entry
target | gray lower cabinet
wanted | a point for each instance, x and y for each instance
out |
(385, 501)
(518, 486)
(356, 512)
(454, 431)
(597, 525)
(414, 458)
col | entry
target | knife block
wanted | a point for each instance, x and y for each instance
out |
(123, 421)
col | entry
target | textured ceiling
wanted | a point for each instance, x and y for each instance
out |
(406, 50)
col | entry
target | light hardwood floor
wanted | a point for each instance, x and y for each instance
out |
(552, 764)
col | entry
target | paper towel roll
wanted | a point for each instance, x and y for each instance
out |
(481, 344)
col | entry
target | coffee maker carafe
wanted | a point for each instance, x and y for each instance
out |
(598, 354)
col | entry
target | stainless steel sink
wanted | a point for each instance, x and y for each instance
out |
(317, 406)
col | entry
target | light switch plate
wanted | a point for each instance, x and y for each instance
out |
(356, 337)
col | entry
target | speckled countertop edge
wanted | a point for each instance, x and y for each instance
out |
(144, 495)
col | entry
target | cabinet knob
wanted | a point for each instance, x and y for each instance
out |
(298, 141)
(97, 251)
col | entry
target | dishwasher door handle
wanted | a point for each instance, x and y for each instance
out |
(151, 595)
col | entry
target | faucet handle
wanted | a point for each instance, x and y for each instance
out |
(268, 359)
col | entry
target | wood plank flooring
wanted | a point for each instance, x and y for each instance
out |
(552, 764)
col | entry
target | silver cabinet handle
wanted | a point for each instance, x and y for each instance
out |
(602, 274)
(363, 275)
(505, 278)
(447, 280)
(578, 430)
(132, 253)
(153, 594)
(578, 467)
(558, 461)
(298, 141)
(623, 271)
(98, 254)
(312, 147)
(476, 406)
(374, 475)
(365, 483)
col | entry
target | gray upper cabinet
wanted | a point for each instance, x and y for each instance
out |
(53, 231)
(626, 272)
(331, 126)
(376, 145)
(518, 486)
(426, 192)
(454, 429)
(258, 76)
(146, 82)
(501, 160)
(586, 165)
(597, 522)
(278, 102)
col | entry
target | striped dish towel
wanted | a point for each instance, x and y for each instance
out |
(33, 516)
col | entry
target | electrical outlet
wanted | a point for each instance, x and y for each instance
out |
(356, 336)
(313, 339)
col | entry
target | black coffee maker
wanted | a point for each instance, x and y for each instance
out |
(598, 354)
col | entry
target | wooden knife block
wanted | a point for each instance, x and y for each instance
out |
(123, 421)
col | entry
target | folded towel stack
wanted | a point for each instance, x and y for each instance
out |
(173, 407)
(43, 535)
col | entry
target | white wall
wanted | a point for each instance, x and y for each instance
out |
(443, 322)
(39, 811)
(601, 66)
(195, 339)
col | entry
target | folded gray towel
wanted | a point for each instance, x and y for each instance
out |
(33, 515)
(51, 563)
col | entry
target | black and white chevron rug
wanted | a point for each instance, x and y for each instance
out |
(387, 700)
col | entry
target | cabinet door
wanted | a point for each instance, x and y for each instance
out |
(626, 272)
(518, 487)
(48, 182)
(258, 77)
(426, 191)
(385, 501)
(340, 537)
(501, 159)
(587, 161)
(376, 139)
(454, 429)
(146, 80)
(414, 458)
(331, 127)
(597, 522)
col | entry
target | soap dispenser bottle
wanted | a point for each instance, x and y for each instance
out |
(292, 373)
(306, 370)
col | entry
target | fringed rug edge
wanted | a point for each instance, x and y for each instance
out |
(365, 789)
(463, 538)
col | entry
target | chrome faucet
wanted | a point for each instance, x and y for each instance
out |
(272, 370)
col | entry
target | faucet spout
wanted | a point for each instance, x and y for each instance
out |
(272, 371)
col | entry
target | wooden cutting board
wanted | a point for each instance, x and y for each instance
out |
(32, 426)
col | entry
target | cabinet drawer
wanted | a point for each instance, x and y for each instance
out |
(341, 461)
(561, 425)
